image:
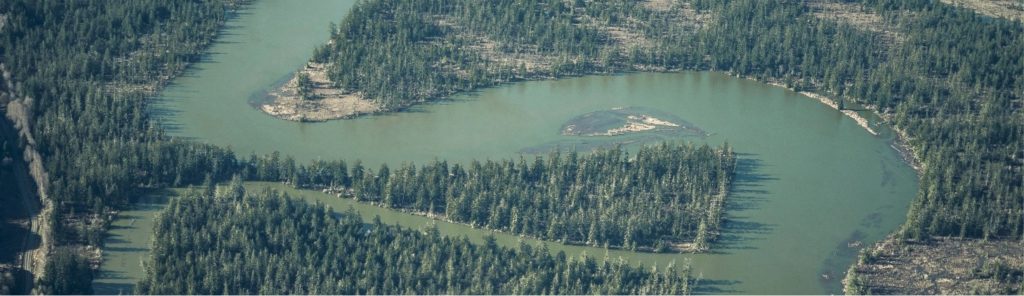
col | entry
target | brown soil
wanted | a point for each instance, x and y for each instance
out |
(942, 266)
(324, 102)
(856, 16)
(1008, 9)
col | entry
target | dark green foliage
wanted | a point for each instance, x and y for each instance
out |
(665, 194)
(83, 69)
(84, 65)
(238, 243)
(66, 272)
(402, 52)
(304, 86)
(948, 77)
(952, 82)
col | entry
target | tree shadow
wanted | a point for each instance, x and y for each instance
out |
(738, 230)
(22, 281)
(713, 286)
(17, 240)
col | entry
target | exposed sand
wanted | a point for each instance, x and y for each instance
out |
(326, 102)
(861, 121)
(635, 123)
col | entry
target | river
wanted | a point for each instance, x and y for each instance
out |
(811, 185)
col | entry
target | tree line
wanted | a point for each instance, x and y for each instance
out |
(238, 242)
(404, 52)
(655, 200)
(946, 76)
(82, 71)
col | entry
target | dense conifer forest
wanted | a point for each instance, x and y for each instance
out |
(244, 243)
(81, 71)
(947, 77)
(663, 197)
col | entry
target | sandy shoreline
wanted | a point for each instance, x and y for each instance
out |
(902, 142)
(861, 121)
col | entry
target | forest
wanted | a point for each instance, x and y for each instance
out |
(664, 197)
(945, 77)
(403, 52)
(82, 72)
(237, 242)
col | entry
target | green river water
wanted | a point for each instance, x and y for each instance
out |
(811, 185)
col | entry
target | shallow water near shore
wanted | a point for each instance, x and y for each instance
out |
(811, 184)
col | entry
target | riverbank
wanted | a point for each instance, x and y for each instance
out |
(457, 55)
(826, 100)
(943, 265)
(901, 141)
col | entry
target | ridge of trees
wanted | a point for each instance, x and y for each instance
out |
(950, 80)
(83, 70)
(667, 196)
(237, 242)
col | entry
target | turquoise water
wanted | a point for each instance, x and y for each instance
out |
(810, 184)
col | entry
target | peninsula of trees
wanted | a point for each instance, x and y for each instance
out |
(946, 78)
(76, 78)
(244, 243)
(665, 197)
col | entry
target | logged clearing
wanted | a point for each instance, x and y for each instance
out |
(1008, 9)
(943, 266)
(499, 60)
(857, 16)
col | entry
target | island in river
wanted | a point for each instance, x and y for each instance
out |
(627, 120)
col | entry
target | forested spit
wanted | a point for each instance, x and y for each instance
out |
(244, 243)
(664, 197)
(948, 79)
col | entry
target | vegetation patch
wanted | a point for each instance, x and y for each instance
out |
(628, 120)
(415, 51)
(667, 197)
(234, 242)
(1008, 9)
(947, 266)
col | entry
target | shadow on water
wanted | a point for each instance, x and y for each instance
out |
(112, 288)
(739, 230)
(712, 286)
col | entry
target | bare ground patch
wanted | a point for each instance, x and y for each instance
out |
(1008, 9)
(855, 15)
(942, 266)
(321, 103)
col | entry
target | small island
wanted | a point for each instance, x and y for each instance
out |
(627, 120)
